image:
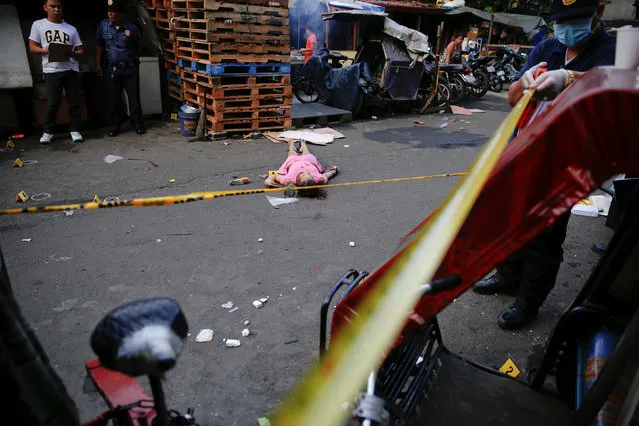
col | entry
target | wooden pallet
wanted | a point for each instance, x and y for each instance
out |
(188, 14)
(266, 3)
(163, 14)
(161, 4)
(175, 91)
(254, 9)
(243, 92)
(232, 37)
(235, 69)
(238, 28)
(236, 82)
(168, 46)
(243, 126)
(162, 24)
(243, 48)
(244, 18)
(163, 33)
(263, 102)
(230, 58)
(187, 4)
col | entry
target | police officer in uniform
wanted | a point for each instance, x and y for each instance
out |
(121, 40)
(580, 44)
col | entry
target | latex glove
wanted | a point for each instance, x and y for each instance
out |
(550, 84)
(529, 76)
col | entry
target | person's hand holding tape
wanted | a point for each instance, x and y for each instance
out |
(549, 84)
(529, 76)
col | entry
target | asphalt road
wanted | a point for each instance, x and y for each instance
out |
(76, 268)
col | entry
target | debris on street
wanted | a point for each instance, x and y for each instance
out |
(233, 310)
(290, 341)
(228, 305)
(279, 201)
(264, 299)
(476, 110)
(232, 343)
(171, 180)
(263, 421)
(239, 181)
(258, 304)
(417, 123)
(69, 212)
(457, 110)
(205, 335)
(110, 159)
(443, 126)
(26, 240)
(247, 322)
(245, 332)
(260, 240)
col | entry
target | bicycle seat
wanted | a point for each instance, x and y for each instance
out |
(452, 67)
(144, 337)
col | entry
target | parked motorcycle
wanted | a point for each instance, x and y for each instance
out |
(509, 66)
(483, 70)
(431, 77)
(304, 88)
(460, 80)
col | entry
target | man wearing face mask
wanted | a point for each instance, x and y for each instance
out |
(580, 44)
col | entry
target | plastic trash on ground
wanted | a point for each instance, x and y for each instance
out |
(205, 335)
(279, 201)
(258, 304)
(228, 305)
(232, 343)
(110, 159)
(245, 332)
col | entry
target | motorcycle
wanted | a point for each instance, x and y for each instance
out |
(304, 88)
(509, 66)
(430, 79)
(461, 81)
(483, 69)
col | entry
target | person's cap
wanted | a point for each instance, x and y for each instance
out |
(566, 9)
(114, 5)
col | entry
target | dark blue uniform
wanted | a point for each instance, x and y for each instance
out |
(123, 70)
(536, 265)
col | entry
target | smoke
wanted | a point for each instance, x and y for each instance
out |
(306, 13)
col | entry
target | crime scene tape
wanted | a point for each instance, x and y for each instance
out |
(360, 347)
(200, 196)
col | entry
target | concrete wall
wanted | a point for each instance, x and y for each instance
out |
(14, 66)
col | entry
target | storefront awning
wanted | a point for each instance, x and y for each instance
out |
(525, 22)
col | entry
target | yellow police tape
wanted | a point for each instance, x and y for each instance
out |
(200, 196)
(360, 347)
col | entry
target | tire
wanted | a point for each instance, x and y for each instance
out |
(305, 91)
(443, 97)
(494, 83)
(458, 89)
(481, 87)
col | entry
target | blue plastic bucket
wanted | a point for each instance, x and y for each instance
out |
(188, 122)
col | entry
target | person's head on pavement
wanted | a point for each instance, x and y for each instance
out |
(576, 21)
(53, 9)
(305, 179)
(114, 12)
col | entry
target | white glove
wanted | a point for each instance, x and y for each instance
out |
(529, 76)
(550, 84)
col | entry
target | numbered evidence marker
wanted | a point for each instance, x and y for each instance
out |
(510, 369)
(174, 117)
(10, 145)
(18, 163)
(97, 199)
(272, 172)
(22, 197)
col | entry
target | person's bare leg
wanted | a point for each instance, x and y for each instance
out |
(305, 150)
(330, 173)
(291, 148)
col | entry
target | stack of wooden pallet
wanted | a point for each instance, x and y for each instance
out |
(161, 12)
(234, 60)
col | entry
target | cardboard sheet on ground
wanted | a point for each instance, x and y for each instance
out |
(457, 110)
(321, 136)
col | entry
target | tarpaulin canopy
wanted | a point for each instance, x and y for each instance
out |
(335, 5)
(525, 22)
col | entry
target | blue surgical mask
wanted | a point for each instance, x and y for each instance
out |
(573, 32)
